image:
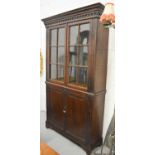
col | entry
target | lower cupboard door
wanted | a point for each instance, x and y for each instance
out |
(76, 117)
(55, 106)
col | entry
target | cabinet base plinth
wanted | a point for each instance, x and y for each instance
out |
(86, 147)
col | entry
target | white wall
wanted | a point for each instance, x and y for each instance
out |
(52, 7)
(110, 94)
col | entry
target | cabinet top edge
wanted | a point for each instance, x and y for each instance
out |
(88, 11)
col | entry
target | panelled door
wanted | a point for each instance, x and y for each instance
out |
(55, 110)
(76, 117)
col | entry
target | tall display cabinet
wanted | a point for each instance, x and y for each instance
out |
(76, 67)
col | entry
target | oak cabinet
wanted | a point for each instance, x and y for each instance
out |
(76, 66)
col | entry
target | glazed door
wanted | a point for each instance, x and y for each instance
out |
(55, 109)
(76, 117)
(56, 55)
(78, 53)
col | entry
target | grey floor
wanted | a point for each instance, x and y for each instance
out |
(59, 143)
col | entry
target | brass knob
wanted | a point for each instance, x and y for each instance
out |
(64, 111)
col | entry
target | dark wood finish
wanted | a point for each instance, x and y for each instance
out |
(76, 116)
(56, 107)
(76, 111)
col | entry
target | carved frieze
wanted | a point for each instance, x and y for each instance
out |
(75, 15)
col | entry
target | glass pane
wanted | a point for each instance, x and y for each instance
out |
(61, 38)
(83, 56)
(84, 33)
(53, 72)
(73, 35)
(72, 74)
(60, 73)
(61, 55)
(53, 54)
(54, 37)
(82, 76)
(72, 55)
